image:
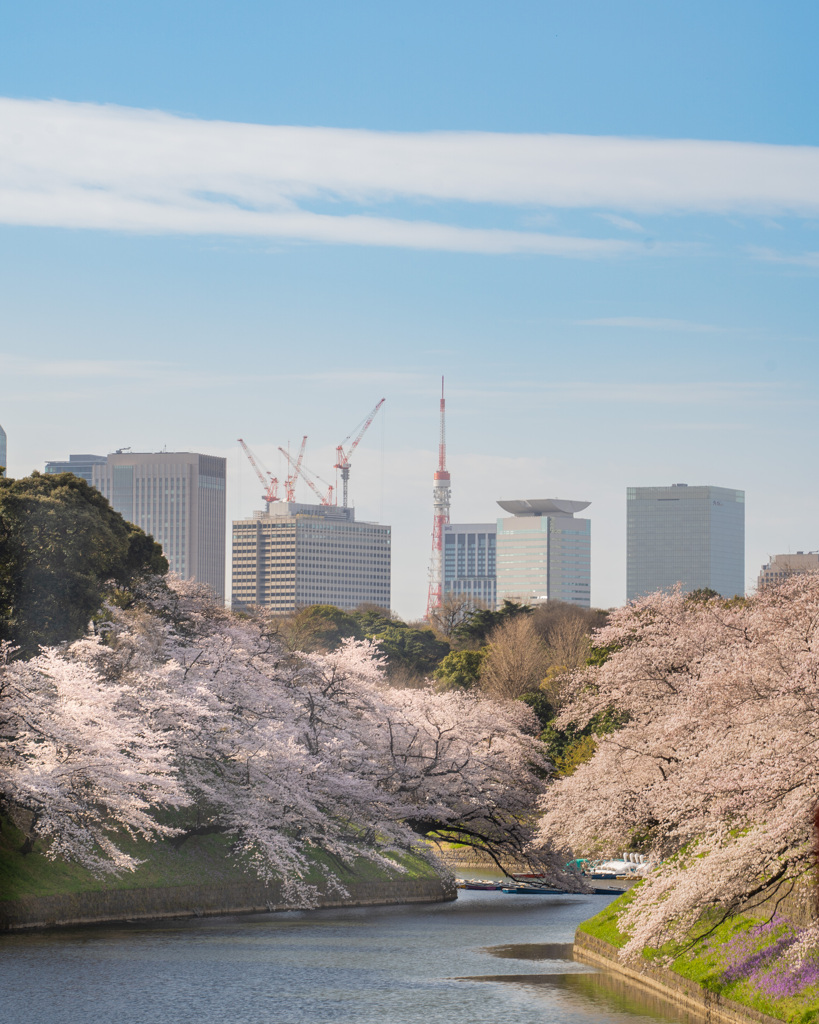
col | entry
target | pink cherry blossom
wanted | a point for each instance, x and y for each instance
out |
(716, 769)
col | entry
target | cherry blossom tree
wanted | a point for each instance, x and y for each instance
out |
(182, 703)
(78, 765)
(716, 771)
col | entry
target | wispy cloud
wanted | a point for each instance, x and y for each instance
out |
(625, 223)
(83, 369)
(113, 168)
(182, 376)
(649, 323)
(719, 394)
(798, 259)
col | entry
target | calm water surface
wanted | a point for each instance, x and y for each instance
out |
(488, 958)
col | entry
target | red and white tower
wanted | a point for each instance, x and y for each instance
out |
(440, 505)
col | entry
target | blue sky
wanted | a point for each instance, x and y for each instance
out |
(598, 220)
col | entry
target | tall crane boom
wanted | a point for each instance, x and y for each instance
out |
(295, 466)
(267, 480)
(343, 459)
(304, 473)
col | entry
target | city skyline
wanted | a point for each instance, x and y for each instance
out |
(599, 223)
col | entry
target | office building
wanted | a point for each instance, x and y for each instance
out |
(544, 552)
(691, 536)
(294, 555)
(178, 498)
(469, 562)
(3, 449)
(80, 465)
(782, 566)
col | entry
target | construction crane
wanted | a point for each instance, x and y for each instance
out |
(306, 475)
(267, 480)
(295, 466)
(343, 458)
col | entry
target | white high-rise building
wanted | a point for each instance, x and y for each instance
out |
(295, 555)
(544, 552)
(3, 450)
(691, 536)
(178, 498)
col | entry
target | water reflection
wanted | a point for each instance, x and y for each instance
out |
(607, 991)
(532, 951)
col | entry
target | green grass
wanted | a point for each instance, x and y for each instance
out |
(701, 960)
(604, 925)
(202, 860)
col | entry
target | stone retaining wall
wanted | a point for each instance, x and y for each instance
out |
(122, 905)
(682, 991)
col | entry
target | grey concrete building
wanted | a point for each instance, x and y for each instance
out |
(544, 552)
(178, 498)
(3, 449)
(295, 555)
(469, 562)
(692, 536)
(80, 465)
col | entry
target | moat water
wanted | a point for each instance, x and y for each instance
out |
(488, 958)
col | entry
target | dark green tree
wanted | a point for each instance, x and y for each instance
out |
(540, 704)
(63, 549)
(459, 671)
(322, 627)
(475, 629)
(414, 650)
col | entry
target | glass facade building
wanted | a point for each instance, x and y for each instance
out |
(469, 562)
(80, 465)
(692, 536)
(296, 555)
(544, 552)
(179, 499)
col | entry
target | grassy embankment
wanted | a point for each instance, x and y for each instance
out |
(703, 960)
(202, 860)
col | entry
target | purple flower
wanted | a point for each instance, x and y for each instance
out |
(748, 957)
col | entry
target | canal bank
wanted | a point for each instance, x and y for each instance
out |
(200, 878)
(681, 992)
(730, 970)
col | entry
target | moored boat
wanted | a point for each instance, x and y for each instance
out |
(477, 883)
(525, 890)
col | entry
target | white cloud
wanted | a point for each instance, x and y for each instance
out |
(648, 323)
(114, 168)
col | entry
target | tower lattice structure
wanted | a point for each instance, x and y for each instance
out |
(440, 519)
